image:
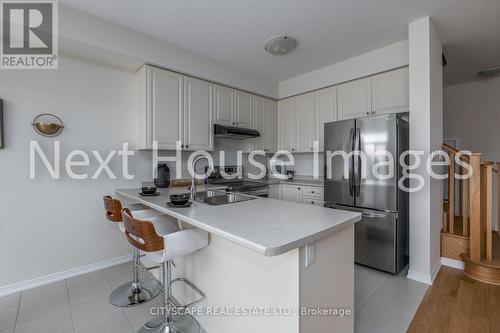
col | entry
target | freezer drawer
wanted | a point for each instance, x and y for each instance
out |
(375, 243)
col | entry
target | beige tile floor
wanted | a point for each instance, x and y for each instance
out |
(77, 305)
(383, 302)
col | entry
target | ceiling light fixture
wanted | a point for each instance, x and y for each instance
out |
(280, 45)
(490, 72)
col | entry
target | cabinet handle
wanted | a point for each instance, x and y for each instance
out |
(312, 191)
(368, 113)
(312, 202)
(374, 112)
(187, 146)
(293, 149)
(311, 148)
(182, 146)
(298, 188)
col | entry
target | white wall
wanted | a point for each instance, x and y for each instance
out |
(380, 60)
(472, 114)
(98, 34)
(47, 225)
(426, 134)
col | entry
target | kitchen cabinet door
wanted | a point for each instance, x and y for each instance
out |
(286, 124)
(242, 109)
(312, 201)
(355, 99)
(164, 108)
(223, 105)
(291, 193)
(304, 113)
(274, 192)
(259, 122)
(198, 111)
(325, 111)
(390, 92)
(271, 142)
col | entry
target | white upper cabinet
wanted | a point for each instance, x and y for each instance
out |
(172, 108)
(259, 122)
(265, 120)
(286, 124)
(304, 122)
(271, 142)
(242, 109)
(390, 92)
(325, 110)
(198, 122)
(223, 105)
(160, 108)
(355, 99)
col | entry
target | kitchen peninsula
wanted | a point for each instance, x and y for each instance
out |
(283, 257)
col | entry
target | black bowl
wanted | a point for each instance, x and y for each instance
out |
(148, 190)
(179, 199)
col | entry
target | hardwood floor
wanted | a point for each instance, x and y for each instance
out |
(458, 304)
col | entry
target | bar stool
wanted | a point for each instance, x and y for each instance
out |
(162, 244)
(134, 292)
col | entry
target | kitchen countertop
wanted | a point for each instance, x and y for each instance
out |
(268, 226)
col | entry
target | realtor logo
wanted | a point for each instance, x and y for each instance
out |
(29, 34)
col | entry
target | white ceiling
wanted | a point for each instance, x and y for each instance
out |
(328, 31)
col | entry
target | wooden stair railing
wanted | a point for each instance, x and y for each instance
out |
(469, 236)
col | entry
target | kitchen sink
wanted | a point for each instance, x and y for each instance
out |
(220, 198)
(208, 194)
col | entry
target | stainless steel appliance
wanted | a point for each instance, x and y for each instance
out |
(237, 185)
(231, 132)
(381, 237)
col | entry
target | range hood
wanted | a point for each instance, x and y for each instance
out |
(232, 132)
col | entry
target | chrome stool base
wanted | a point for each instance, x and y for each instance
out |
(179, 324)
(128, 295)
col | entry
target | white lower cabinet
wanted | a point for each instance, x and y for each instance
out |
(274, 192)
(291, 193)
(312, 201)
(312, 195)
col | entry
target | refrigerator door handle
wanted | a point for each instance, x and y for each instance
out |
(352, 189)
(357, 172)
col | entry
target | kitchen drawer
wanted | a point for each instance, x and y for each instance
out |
(312, 191)
(312, 201)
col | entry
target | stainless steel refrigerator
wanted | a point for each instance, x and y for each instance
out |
(381, 237)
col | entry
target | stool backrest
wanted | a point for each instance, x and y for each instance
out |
(141, 234)
(113, 209)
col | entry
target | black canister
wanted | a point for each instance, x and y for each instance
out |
(163, 179)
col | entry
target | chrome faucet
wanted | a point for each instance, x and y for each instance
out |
(192, 189)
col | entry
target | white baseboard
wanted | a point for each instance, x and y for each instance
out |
(425, 278)
(419, 277)
(453, 263)
(43, 280)
(435, 270)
